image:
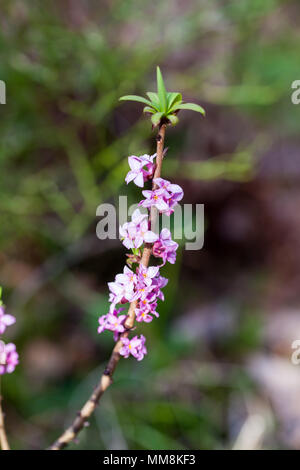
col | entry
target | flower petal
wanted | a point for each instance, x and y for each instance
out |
(150, 237)
(139, 180)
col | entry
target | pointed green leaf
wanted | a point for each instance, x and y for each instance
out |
(161, 90)
(0, 292)
(191, 107)
(156, 118)
(173, 98)
(173, 119)
(140, 99)
(154, 100)
(148, 109)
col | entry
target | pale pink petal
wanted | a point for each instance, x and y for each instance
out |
(147, 193)
(150, 237)
(159, 181)
(137, 216)
(8, 320)
(139, 180)
(128, 243)
(145, 203)
(152, 271)
(162, 205)
(165, 234)
(134, 163)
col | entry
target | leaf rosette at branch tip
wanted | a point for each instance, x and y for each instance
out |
(163, 106)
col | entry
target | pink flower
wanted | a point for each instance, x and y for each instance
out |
(146, 308)
(145, 278)
(159, 282)
(164, 198)
(156, 198)
(133, 234)
(165, 247)
(143, 316)
(175, 191)
(112, 322)
(146, 275)
(142, 290)
(5, 320)
(152, 290)
(141, 169)
(122, 290)
(9, 359)
(135, 346)
(128, 277)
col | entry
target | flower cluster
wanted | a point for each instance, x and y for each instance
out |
(9, 357)
(141, 169)
(164, 198)
(133, 234)
(144, 285)
(135, 346)
(164, 247)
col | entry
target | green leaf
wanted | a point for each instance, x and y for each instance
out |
(156, 118)
(161, 90)
(148, 109)
(173, 119)
(191, 107)
(140, 99)
(0, 292)
(154, 100)
(173, 98)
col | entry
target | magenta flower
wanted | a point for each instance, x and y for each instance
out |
(170, 187)
(128, 277)
(165, 247)
(146, 275)
(159, 282)
(135, 346)
(112, 322)
(150, 292)
(142, 291)
(174, 190)
(123, 289)
(5, 320)
(145, 281)
(146, 308)
(143, 316)
(156, 198)
(9, 359)
(141, 169)
(133, 234)
(164, 198)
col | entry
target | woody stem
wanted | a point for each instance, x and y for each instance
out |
(3, 438)
(106, 379)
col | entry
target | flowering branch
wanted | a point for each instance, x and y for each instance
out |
(142, 287)
(106, 379)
